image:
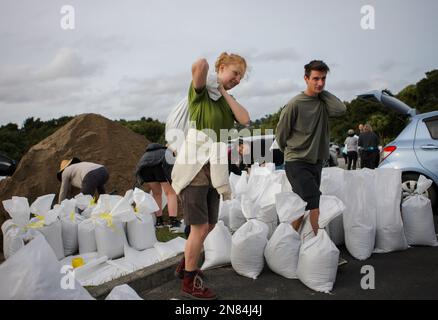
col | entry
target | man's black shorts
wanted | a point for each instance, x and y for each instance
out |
(305, 179)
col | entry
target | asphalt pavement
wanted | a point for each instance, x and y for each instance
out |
(408, 274)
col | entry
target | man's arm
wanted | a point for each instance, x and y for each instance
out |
(65, 187)
(240, 113)
(284, 127)
(199, 74)
(335, 106)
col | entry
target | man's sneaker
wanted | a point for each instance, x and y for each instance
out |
(174, 223)
(342, 261)
(194, 288)
(159, 223)
(180, 268)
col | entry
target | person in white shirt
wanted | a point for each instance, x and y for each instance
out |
(351, 144)
(87, 176)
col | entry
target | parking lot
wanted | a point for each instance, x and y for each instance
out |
(409, 274)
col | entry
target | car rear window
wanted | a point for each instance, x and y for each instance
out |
(432, 126)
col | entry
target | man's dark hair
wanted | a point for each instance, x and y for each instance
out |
(317, 65)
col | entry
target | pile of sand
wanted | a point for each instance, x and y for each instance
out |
(89, 137)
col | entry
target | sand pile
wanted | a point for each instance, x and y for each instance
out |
(90, 137)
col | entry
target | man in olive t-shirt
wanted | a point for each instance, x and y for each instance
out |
(303, 135)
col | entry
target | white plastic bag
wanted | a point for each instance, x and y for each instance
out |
(34, 273)
(418, 216)
(332, 184)
(217, 247)
(86, 236)
(390, 235)
(247, 250)
(109, 230)
(282, 249)
(123, 292)
(237, 219)
(224, 212)
(69, 222)
(360, 213)
(318, 263)
(318, 259)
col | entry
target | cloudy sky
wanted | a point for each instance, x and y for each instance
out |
(129, 59)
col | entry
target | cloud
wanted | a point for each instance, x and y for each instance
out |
(66, 73)
(279, 55)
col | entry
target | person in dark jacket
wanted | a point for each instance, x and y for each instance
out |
(369, 144)
(156, 172)
(236, 163)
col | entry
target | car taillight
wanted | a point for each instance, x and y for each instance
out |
(387, 151)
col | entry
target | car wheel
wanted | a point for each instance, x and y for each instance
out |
(409, 184)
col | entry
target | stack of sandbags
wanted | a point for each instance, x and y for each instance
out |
(283, 247)
(418, 215)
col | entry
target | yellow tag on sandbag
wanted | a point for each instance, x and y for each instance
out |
(37, 224)
(77, 262)
(72, 216)
(136, 210)
(92, 202)
(108, 218)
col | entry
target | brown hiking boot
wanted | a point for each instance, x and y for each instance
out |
(180, 268)
(193, 288)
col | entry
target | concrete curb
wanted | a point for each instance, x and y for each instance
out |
(141, 280)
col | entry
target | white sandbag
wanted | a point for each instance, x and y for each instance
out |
(282, 249)
(237, 219)
(318, 263)
(390, 234)
(330, 208)
(332, 184)
(34, 273)
(217, 247)
(69, 222)
(318, 259)
(53, 235)
(170, 248)
(360, 213)
(123, 292)
(417, 215)
(224, 212)
(269, 216)
(141, 259)
(15, 231)
(141, 232)
(247, 249)
(86, 236)
(85, 204)
(109, 231)
(241, 185)
(110, 239)
(281, 178)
